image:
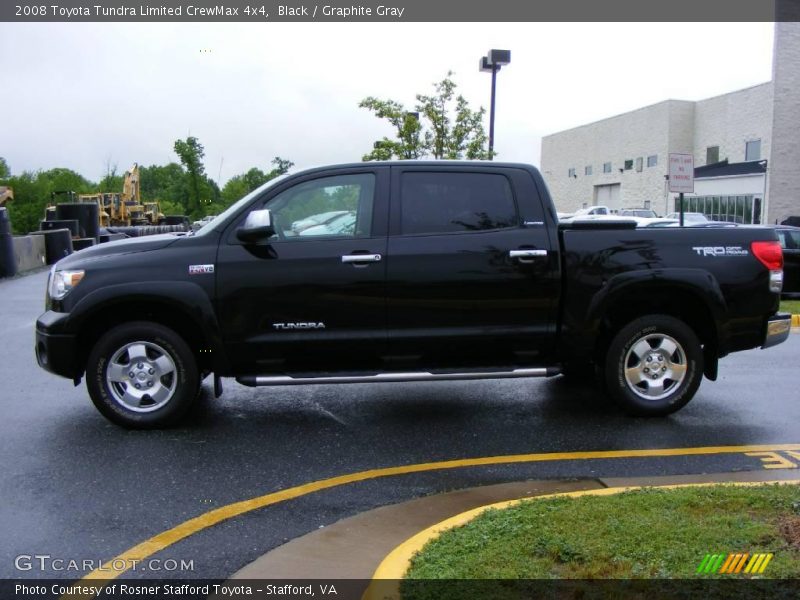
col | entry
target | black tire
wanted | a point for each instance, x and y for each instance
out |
(176, 383)
(661, 389)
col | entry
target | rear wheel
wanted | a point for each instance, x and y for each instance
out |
(142, 375)
(654, 366)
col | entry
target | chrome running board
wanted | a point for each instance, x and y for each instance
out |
(265, 380)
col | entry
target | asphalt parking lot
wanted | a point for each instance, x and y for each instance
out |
(74, 486)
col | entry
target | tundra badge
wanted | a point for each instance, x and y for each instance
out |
(311, 325)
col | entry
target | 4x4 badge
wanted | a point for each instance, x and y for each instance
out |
(200, 269)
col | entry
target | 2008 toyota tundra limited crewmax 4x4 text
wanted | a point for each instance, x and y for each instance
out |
(407, 271)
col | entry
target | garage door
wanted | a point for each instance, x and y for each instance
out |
(608, 195)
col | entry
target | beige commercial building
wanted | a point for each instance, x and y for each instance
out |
(746, 148)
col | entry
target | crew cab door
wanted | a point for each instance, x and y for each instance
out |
(311, 297)
(472, 276)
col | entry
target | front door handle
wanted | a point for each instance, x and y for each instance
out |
(361, 258)
(527, 256)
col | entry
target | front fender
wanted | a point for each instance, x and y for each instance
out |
(188, 298)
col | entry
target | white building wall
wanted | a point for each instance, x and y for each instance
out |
(730, 120)
(630, 136)
(784, 166)
(769, 112)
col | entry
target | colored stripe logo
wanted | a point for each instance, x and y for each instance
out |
(735, 562)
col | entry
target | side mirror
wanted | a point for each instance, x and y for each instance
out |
(257, 226)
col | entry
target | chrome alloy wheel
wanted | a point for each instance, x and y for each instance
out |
(655, 366)
(141, 376)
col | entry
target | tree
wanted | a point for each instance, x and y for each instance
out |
(32, 194)
(453, 129)
(163, 183)
(239, 186)
(191, 153)
(407, 130)
(4, 170)
(111, 182)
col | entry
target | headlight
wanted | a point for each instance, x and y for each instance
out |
(63, 282)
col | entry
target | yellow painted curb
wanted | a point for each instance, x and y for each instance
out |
(398, 561)
(157, 543)
(795, 320)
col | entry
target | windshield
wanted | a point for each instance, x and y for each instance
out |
(237, 206)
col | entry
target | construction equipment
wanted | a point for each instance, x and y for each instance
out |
(6, 194)
(152, 213)
(132, 211)
(121, 209)
(103, 210)
(118, 209)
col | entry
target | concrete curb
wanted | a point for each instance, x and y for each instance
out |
(353, 548)
(397, 562)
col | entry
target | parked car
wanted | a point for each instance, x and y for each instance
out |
(342, 224)
(659, 222)
(789, 238)
(689, 218)
(452, 271)
(644, 213)
(590, 212)
(314, 220)
(203, 222)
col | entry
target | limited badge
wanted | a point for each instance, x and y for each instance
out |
(200, 269)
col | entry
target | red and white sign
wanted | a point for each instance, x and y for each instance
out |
(681, 173)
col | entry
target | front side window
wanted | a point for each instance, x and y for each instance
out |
(455, 202)
(331, 207)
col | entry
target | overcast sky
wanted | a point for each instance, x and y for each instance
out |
(78, 95)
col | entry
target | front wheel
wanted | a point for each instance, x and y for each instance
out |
(654, 366)
(142, 375)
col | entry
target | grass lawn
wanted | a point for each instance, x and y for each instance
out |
(648, 533)
(792, 306)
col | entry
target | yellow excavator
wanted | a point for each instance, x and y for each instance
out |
(130, 208)
(125, 209)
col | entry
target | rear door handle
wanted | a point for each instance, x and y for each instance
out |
(527, 255)
(361, 258)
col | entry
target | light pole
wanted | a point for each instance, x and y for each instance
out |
(491, 63)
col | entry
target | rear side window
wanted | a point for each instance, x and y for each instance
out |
(455, 202)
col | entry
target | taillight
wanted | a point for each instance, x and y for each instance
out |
(771, 256)
(769, 253)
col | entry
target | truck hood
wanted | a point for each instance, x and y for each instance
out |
(128, 246)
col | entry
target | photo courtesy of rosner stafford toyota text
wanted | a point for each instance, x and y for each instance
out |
(399, 300)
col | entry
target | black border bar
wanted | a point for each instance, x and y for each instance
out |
(403, 11)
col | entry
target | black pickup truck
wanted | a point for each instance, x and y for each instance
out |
(407, 271)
